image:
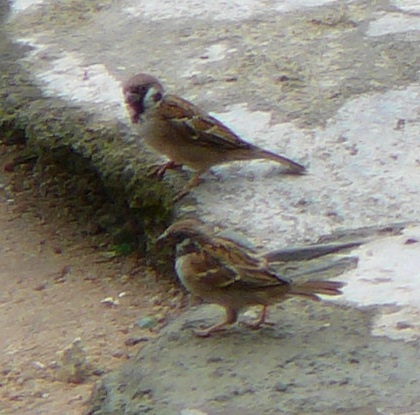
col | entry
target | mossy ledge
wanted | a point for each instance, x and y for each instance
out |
(55, 131)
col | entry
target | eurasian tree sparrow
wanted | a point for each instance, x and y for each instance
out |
(187, 135)
(223, 272)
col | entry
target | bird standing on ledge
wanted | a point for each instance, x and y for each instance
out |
(187, 135)
(223, 272)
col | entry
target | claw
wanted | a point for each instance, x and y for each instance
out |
(160, 169)
(207, 332)
(261, 321)
(231, 317)
(195, 181)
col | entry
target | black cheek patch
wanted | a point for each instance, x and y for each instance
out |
(139, 107)
(135, 110)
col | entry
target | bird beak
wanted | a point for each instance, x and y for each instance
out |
(161, 238)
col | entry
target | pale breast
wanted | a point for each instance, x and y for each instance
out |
(183, 268)
(190, 269)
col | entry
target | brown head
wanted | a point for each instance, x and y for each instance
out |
(141, 92)
(184, 229)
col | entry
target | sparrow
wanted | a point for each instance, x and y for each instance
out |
(185, 134)
(223, 272)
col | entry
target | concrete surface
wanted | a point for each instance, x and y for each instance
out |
(334, 85)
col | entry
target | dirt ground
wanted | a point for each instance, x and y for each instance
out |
(55, 273)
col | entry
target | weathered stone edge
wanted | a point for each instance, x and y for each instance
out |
(53, 129)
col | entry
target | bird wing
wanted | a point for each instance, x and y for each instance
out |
(202, 128)
(227, 265)
(209, 271)
(261, 279)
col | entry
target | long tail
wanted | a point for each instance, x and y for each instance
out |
(293, 166)
(310, 289)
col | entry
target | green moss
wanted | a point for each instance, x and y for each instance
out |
(69, 137)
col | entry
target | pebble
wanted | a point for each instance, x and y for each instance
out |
(146, 322)
(280, 387)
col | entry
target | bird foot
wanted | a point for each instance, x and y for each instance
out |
(258, 324)
(208, 331)
(159, 170)
(195, 181)
(180, 195)
(202, 333)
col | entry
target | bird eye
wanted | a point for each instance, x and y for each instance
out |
(157, 97)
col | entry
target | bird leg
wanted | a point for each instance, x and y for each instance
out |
(160, 169)
(195, 181)
(261, 320)
(231, 317)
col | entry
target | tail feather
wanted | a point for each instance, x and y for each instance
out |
(310, 289)
(293, 166)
